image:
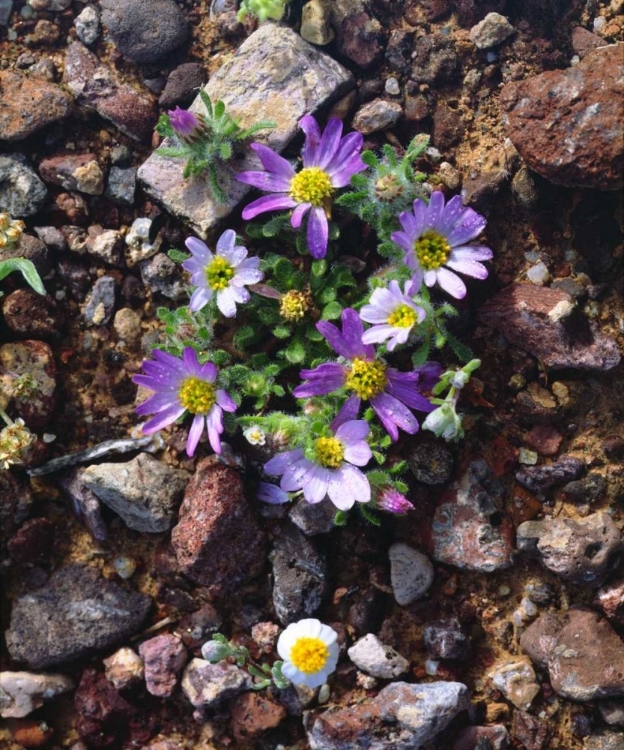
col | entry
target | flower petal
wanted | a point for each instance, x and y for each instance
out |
(348, 486)
(197, 427)
(225, 401)
(392, 414)
(313, 137)
(163, 419)
(377, 334)
(298, 214)
(315, 483)
(341, 177)
(469, 268)
(409, 396)
(472, 224)
(214, 424)
(226, 302)
(158, 402)
(267, 203)
(330, 140)
(271, 494)
(451, 283)
(272, 161)
(358, 453)
(199, 249)
(318, 233)
(226, 241)
(435, 210)
(323, 379)
(280, 463)
(352, 431)
(200, 298)
(471, 252)
(271, 183)
(348, 411)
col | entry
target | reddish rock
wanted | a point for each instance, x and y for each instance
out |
(30, 733)
(416, 108)
(359, 35)
(546, 323)
(448, 126)
(253, 714)
(468, 739)
(15, 502)
(27, 105)
(164, 658)
(28, 376)
(74, 172)
(74, 206)
(545, 439)
(531, 732)
(33, 542)
(567, 125)
(30, 314)
(584, 42)
(611, 600)
(218, 541)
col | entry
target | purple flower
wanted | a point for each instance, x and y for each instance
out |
(434, 238)
(223, 274)
(188, 126)
(183, 385)
(392, 501)
(271, 494)
(389, 391)
(394, 314)
(333, 471)
(329, 162)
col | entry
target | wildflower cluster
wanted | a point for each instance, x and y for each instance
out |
(333, 433)
(10, 230)
(15, 439)
(262, 9)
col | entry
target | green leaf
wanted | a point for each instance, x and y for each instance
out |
(26, 268)
(368, 514)
(319, 268)
(220, 357)
(369, 158)
(341, 518)
(462, 352)
(282, 332)
(331, 311)
(421, 355)
(295, 352)
(178, 256)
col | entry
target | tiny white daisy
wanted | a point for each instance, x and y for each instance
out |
(394, 314)
(255, 435)
(310, 652)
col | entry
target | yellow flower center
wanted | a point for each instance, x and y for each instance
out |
(219, 273)
(311, 185)
(402, 316)
(294, 306)
(432, 250)
(366, 379)
(329, 452)
(388, 188)
(309, 655)
(197, 396)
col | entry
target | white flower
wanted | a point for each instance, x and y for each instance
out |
(444, 422)
(310, 652)
(393, 312)
(255, 435)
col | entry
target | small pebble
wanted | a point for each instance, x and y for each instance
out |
(431, 667)
(538, 274)
(527, 457)
(324, 693)
(124, 566)
(392, 87)
(411, 573)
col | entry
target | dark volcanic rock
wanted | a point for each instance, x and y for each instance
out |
(74, 614)
(182, 85)
(359, 35)
(218, 542)
(546, 323)
(567, 125)
(33, 542)
(28, 104)
(541, 478)
(15, 502)
(30, 314)
(435, 59)
(445, 639)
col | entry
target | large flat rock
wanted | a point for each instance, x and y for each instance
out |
(275, 75)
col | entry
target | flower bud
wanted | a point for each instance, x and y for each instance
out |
(392, 501)
(444, 422)
(189, 127)
(215, 651)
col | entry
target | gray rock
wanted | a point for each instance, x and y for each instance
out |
(100, 302)
(605, 739)
(182, 85)
(21, 192)
(74, 614)
(121, 185)
(494, 737)
(491, 31)
(299, 576)
(87, 24)
(313, 518)
(435, 59)
(52, 237)
(6, 8)
(411, 573)
(375, 658)
(145, 492)
(23, 692)
(583, 551)
(206, 685)
(162, 275)
(121, 156)
(274, 75)
(517, 682)
(541, 478)
(376, 115)
(612, 712)
(315, 22)
(445, 639)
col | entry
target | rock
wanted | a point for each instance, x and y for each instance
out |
(51, 237)
(411, 573)
(315, 22)
(300, 576)
(516, 681)
(33, 250)
(182, 85)
(376, 115)
(586, 490)
(124, 668)
(85, 505)
(546, 323)
(23, 692)
(469, 738)
(164, 657)
(263, 80)
(545, 439)
(448, 127)
(610, 599)
(33, 542)
(366, 613)
(28, 105)
(375, 658)
(542, 478)
(74, 172)
(121, 156)
(15, 503)
(524, 188)
(252, 714)
(127, 325)
(145, 33)
(97, 86)
(100, 302)
(430, 462)
(416, 108)
(400, 717)
(32, 363)
(469, 529)
(567, 124)
(359, 35)
(312, 519)
(584, 655)
(145, 492)
(532, 732)
(6, 8)
(32, 315)
(583, 551)
(445, 639)
(612, 712)
(140, 246)
(196, 628)
(106, 246)
(206, 685)
(584, 42)
(435, 60)
(613, 445)
(161, 274)
(218, 542)
(73, 615)
(87, 24)
(491, 31)
(605, 739)
(21, 192)
(399, 51)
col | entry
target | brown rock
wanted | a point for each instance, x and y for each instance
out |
(530, 731)
(416, 108)
(28, 376)
(33, 542)
(30, 314)
(74, 172)
(218, 541)
(253, 714)
(546, 323)
(545, 439)
(27, 105)
(567, 125)
(164, 658)
(448, 126)
(468, 739)
(584, 42)
(32, 733)
(611, 600)
(15, 502)
(359, 35)
(33, 250)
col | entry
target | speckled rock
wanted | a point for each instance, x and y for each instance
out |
(34, 361)
(164, 656)
(218, 542)
(100, 303)
(584, 42)
(411, 573)
(274, 75)
(605, 739)
(468, 529)
(76, 613)
(446, 639)
(106, 246)
(15, 503)
(23, 692)
(435, 59)
(315, 22)
(33, 542)
(532, 732)
(87, 22)
(612, 711)
(517, 682)
(546, 323)
(583, 551)
(74, 172)
(491, 31)
(145, 492)
(161, 274)
(400, 717)
(469, 738)
(253, 714)
(27, 105)
(32, 315)
(124, 668)
(313, 518)
(543, 477)
(376, 659)
(431, 462)
(21, 192)
(359, 35)
(567, 124)
(610, 599)
(379, 114)
(206, 685)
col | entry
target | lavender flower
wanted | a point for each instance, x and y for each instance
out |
(392, 501)
(183, 385)
(224, 274)
(271, 494)
(389, 391)
(188, 126)
(333, 471)
(329, 162)
(394, 314)
(434, 238)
